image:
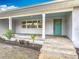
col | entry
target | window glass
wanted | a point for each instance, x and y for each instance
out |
(23, 22)
(39, 24)
(32, 24)
(23, 26)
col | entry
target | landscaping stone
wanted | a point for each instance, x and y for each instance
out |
(58, 48)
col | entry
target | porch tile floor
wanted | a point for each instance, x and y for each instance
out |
(58, 48)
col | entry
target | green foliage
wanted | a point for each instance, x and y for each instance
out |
(33, 37)
(9, 34)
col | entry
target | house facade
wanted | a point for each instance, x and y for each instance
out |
(56, 18)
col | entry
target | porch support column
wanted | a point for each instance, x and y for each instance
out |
(43, 26)
(10, 23)
(75, 26)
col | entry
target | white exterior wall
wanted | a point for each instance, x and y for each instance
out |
(13, 25)
(48, 25)
(19, 29)
(68, 25)
(75, 27)
(63, 26)
(3, 25)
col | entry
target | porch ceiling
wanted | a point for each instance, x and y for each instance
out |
(62, 14)
(28, 17)
(50, 15)
(4, 19)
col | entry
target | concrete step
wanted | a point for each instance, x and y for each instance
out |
(58, 48)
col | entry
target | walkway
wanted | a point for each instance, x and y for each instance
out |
(58, 48)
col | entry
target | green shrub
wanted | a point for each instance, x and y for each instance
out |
(33, 37)
(9, 34)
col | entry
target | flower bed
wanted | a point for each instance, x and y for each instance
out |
(22, 43)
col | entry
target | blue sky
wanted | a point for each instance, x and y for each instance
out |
(21, 3)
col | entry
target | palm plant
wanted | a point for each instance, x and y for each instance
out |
(9, 34)
(33, 38)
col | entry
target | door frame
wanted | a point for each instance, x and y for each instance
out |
(54, 26)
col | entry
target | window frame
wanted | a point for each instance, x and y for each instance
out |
(27, 24)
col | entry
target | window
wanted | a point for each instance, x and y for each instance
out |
(39, 24)
(32, 24)
(29, 24)
(23, 24)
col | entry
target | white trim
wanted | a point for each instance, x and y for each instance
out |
(66, 10)
(56, 11)
(43, 26)
(4, 17)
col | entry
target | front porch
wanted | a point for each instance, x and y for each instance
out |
(41, 25)
(58, 48)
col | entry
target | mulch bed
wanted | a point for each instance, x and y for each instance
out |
(22, 43)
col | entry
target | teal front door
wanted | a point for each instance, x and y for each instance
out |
(57, 26)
